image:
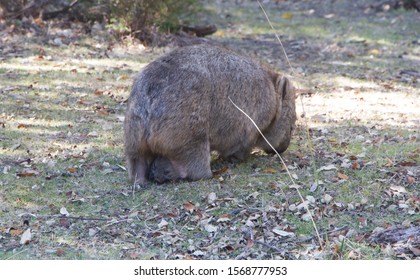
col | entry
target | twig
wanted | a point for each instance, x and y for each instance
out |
(325, 233)
(9, 258)
(308, 135)
(285, 166)
(307, 128)
(277, 36)
(269, 246)
(74, 217)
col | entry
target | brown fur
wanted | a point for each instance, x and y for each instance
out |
(178, 111)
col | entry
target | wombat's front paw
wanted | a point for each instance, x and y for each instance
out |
(139, 185)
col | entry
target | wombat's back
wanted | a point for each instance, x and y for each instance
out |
(184, 95)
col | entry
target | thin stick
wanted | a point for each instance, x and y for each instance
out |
(285, 166)
(277, 36)
(74, 218)
(14, 255)
(308, 136)
(307, 127)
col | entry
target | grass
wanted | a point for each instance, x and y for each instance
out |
(61, 146)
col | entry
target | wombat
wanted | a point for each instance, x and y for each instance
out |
(178, 111)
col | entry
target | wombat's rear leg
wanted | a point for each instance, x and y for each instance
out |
(138, 169)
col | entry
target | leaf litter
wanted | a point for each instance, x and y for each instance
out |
(356, 163)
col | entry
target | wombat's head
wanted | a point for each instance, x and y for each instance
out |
(285, 124)
(162, 170)
(288, 112)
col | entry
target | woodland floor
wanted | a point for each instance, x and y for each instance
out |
(354, 157)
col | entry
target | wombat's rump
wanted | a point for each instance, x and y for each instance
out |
(178, 111)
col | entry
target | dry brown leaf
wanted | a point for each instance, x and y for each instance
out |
(22, 125)
(163, 223)
(60, 252)
(27, 173)
(123, 77)
(287, 15)
(72, 169)
(15, 232)
(220, 171)
(249, 243)
(407, 163)
(269, 171)
(411, 180)
(224, 218)
(342, 176)
(189, 207)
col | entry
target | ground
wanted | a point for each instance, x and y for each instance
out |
(353, 162)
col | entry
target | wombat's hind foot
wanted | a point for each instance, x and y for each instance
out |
(138, 169)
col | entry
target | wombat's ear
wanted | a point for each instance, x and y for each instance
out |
(285, 88)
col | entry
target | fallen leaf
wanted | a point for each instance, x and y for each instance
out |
(72, 169)
(388, 250)
(60, 252)
(210, 228)
(354, 255)
(93, 134)
(15, 232)
(411, 180)
(282, 232)
(327, 198)
(64, 212)
(220, 171)
(306, 217)
(355, 165)
(269, 171)
(407, 163)
(211, 198)
(224, 218)
(362, 222)
(123, 77)
(22, 125)
(314, 186)
(27, 173)
(342, 176)
(163, 224)
(303, 205)
(189, 207)
(294, 186)
(92, 232)
(287, 15)
(398, 190)
(328, 168)
(26, 237)
(198, 253)
(249, 243)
